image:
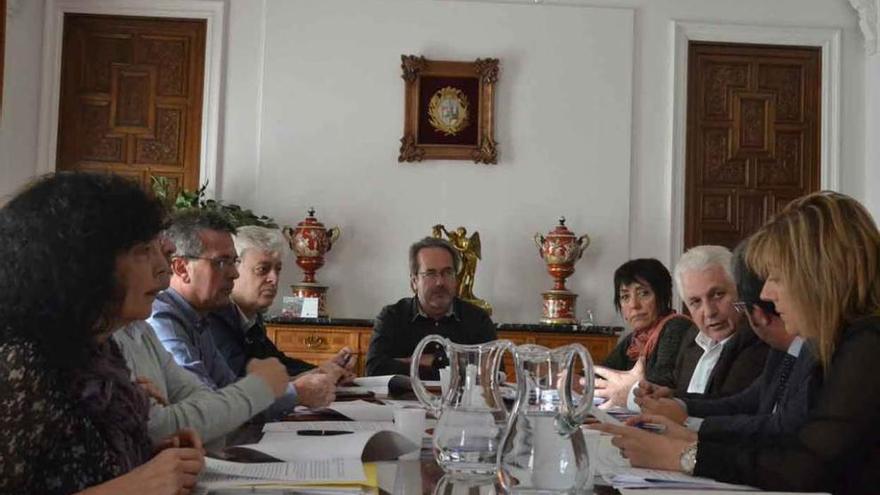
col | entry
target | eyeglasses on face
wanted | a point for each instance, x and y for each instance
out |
(741, 307)
(434, 275)
(221, 263)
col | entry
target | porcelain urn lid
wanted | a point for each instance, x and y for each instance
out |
(310, 222)
(560, 245)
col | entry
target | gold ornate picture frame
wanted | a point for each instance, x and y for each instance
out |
(449, 110)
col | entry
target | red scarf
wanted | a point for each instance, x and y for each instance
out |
(644, 341)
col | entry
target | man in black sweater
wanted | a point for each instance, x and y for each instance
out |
(435, 309)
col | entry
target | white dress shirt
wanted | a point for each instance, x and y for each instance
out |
(703, 370)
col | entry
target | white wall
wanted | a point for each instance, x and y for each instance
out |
(872, 129)
(21, 95)
(584, 125)
(313, 111)
(332, 118)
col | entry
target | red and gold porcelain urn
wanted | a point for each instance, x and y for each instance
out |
(560, 249)
(309, 241)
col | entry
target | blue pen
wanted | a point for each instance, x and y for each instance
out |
(652, 427)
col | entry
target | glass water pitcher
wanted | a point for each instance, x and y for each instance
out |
(471, 416)
(543, 450)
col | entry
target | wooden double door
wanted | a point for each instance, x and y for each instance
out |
(753, 136)
(131, 97)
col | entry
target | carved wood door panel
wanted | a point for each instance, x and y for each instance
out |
(753, 115)
(131, 97)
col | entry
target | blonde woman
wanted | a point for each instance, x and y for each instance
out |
(821, 259)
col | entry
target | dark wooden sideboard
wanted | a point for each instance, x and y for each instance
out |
(316, 340)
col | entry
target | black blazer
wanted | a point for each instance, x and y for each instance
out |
(750, 414)
(740, 363)
(837, 449)
(239, 347)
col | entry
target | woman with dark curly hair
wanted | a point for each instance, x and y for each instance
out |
(79, 257)
(643, 296)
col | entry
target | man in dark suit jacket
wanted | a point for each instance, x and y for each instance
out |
(239, 344)
(238, 328)
(721, 355)
(774, 404)
(740, 363)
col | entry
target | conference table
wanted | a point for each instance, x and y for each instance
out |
(401, 477)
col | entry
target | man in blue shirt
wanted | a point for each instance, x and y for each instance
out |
(203, 273)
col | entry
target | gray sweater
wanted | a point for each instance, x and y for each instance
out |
(191, 403)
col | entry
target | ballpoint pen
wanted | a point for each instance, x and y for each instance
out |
(652, 427)
(322, 433)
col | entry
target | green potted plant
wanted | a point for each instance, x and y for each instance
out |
(196, 199)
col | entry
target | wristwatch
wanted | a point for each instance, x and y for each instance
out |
(688, 459)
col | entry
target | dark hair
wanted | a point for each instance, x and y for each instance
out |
(431, 242)
(186, 225)
(645, 271)
(748, 283)
(59, 239)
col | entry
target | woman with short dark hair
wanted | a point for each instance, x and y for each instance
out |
(79, 258)
(643, 296)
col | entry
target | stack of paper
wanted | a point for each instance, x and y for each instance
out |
(337, 476)
(655, 478)
(306, 454)
(295, 446)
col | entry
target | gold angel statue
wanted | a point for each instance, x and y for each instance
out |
(469, 250)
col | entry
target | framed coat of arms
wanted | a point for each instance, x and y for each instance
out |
(449, 110)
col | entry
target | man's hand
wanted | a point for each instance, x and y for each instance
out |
(664, 406)
(341, 367)
(346, 359)
(614, 385)
(272, 372)
(648, 389)
(151, 389)
(315, 389)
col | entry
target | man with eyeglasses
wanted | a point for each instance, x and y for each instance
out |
(774, 404)
(238, 328)
(179, 399)
(203, 272)
(435, 309)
